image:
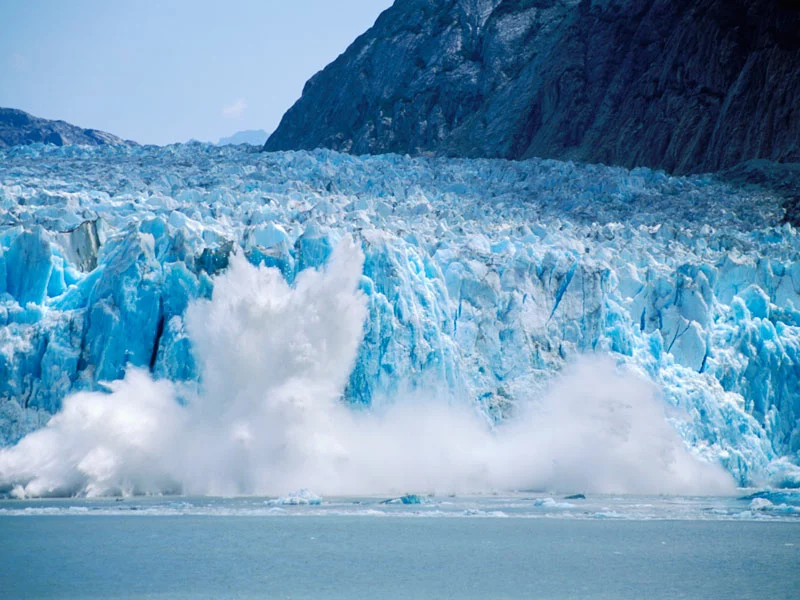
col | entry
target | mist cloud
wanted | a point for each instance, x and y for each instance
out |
(269, 418)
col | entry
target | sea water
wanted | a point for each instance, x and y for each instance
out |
(513, 546)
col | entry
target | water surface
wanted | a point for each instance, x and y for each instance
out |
(487, 547)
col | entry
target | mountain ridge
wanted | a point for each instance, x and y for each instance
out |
(679, 85)
(18, 127)
(253, 137)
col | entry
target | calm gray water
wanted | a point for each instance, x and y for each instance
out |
(170, 550)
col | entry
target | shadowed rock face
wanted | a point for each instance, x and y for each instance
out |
(19, 128)
(684, 85)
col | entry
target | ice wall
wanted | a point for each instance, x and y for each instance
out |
(482, 279)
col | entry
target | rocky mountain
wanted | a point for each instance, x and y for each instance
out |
(683, 85)
(19, 128)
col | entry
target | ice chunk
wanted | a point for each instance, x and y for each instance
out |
(406, 499)
(82, 245)
(28, 265)
(303, 496)
(756, 300)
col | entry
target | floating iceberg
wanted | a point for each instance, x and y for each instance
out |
(481, 280)
(406, 499)
(301, 497)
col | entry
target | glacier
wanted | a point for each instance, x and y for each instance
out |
(481, 281)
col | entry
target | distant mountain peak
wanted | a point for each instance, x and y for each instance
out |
(254, 137)
(18, 128)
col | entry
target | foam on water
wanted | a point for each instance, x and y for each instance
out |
(504, 505)
(268, 417)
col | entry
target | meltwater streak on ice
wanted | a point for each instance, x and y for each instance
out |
(275, 360)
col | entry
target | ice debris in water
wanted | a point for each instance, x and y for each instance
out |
(551, 503)
(301, 497)
(761, 504)
(406, 499)
(481, 278)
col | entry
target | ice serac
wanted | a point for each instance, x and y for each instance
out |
(683, 85)
(481, 279)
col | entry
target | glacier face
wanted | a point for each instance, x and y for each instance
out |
(481, 277)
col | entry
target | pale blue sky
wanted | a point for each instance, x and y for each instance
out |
(161, 71)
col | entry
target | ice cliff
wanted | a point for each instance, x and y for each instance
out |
(683, 85)
(482, 278)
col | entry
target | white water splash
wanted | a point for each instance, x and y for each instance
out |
(275, 360)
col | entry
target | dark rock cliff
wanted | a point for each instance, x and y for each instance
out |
(684, 85)
(19, 128)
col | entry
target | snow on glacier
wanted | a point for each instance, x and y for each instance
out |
(481, 280)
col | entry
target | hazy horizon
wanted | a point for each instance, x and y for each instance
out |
(159, 74)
